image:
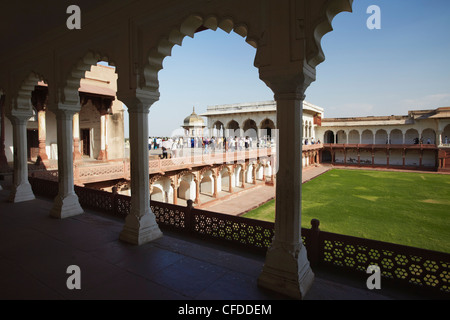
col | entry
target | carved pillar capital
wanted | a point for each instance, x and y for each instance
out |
(141, 101)
(288, 83)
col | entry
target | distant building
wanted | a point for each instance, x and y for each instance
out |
(257, 119)
(408, 141)
(419, 126)
(416, 140)
(193, 125)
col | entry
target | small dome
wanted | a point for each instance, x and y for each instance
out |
(194, 120)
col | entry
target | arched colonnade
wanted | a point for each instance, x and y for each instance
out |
(287, 37)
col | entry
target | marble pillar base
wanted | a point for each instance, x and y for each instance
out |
(21, 193)
(66, 207)
(287, 271)
(139, 231)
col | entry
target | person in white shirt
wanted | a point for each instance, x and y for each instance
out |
(174, 149)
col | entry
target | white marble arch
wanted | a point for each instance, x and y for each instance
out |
(381, 136)
(207, 182)
(226, 180)
(187, 187)
(286, 58)
(396, 136)
(367, 137)
(410, 135)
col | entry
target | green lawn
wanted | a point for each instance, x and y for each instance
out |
(408, 208)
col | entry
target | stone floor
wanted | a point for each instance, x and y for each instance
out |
(36, 251)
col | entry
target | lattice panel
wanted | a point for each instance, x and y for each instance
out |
(241, 231)
(170, 216)
(412, 268)
(95, 199)
(123, 205)
(44, 188)
(100, 170)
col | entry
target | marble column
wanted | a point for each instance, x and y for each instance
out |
(140, 224)
(215, 193)
(66, 203)
(42, 132)
(102, 155)
(76, 137)
(21, 189)
(3, 159)
(197, 191)
(175, 194)
(287, 269)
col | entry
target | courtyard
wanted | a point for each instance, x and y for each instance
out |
(407, 208)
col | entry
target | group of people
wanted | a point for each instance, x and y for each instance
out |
(207, 145)
(420, 141)
(313, 141)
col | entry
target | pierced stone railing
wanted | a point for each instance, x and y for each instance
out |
(415, 268)
(120, 169)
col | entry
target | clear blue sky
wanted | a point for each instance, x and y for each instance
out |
(403, 66)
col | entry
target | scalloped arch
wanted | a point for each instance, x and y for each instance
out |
(69, 93)
(23, 97)
(149, 79)
(232, 121)
(315, 56)
(267, 120)
(249, 121)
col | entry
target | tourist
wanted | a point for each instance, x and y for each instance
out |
(164, 153)
(232, 144)
(206, 143)
(174, 149)
(212, 145)
(446, 140)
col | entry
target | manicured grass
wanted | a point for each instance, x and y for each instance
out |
(408, 208)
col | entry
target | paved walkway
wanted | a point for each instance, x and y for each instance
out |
(242, 202)
(36, 251)
(254, 197)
